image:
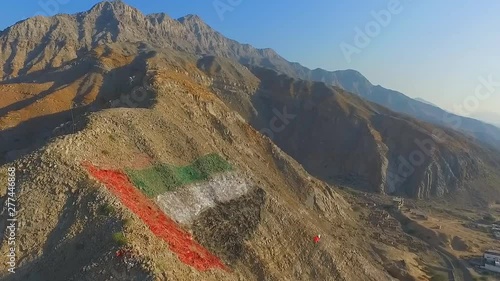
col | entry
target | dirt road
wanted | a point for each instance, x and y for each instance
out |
(459, 271)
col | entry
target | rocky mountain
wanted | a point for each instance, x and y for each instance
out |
(38, 43)
(337, 136)
(169, 184)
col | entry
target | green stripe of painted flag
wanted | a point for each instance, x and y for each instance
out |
(160, 178)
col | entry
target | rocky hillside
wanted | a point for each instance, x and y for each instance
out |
(338, 136)
(39, 42)
(98, 199)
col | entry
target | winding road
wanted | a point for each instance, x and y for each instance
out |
(459, 271)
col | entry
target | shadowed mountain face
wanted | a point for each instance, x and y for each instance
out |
(340, 137)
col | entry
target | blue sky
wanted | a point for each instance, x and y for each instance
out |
(437, 50)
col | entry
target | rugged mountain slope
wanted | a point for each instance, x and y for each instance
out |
(66, 187)
(39, 43)
(338, 136)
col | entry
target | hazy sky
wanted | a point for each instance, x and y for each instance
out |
(437, 50)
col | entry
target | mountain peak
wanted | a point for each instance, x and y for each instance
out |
(116, 6)
(190, 18)
(108, 4)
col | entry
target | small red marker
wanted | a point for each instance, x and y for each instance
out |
(317, 238)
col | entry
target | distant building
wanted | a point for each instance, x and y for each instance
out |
(492, 255)
(492, 266)
(398, 202)
(492, 261)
